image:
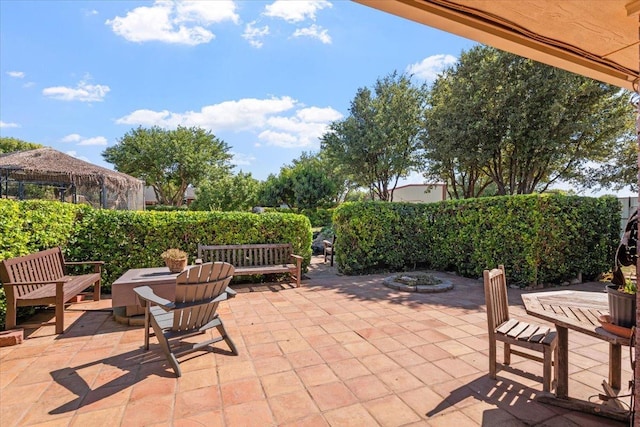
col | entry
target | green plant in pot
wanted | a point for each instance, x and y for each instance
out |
(622, 291)
(175, 259)
(622, 300)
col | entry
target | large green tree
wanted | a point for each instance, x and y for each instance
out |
(379, 142)
(170, 160)
(10, 145)
(500, 121)
(230, 193)
(307, 183)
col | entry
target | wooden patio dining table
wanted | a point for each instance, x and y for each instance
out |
(579, 311)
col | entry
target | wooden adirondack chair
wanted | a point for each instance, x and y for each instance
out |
(510, 331)
(199, 290)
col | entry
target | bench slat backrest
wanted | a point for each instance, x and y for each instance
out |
(247, 255)
(44, 266)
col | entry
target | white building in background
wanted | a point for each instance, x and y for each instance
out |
(420, 193)
(150, 195)
(629, 204)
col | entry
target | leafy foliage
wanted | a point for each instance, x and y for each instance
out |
(229, 193)
(497, 119)
(10, 145)
(126, 239)
(379, 142)
(539, 238)
(309, 182)
(134, 239)
(170, 160)
(31, 226)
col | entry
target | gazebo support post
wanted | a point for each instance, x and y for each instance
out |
(103, 194)
(636, 369)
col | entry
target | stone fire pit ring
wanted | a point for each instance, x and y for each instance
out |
(411, 282)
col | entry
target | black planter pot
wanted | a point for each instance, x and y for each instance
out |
(622, 307)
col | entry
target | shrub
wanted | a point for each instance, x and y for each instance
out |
(135, 239)
(539, 238)
(125, 239)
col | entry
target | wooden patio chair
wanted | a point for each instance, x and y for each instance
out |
(328, 246)
(514, 332)
(199, 291)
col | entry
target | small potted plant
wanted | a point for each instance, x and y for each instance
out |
(622, 302)
(175, 259)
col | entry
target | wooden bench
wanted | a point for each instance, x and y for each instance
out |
(41, 279)
(255, 258)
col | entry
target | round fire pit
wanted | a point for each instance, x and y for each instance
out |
(418, 282)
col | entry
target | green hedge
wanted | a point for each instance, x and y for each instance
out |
(31, 226)
(125, 239)
(135, 239)
(539, 238)
(319, 217)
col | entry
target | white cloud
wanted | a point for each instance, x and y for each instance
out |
(73, 153)
(254, 35)
(240, 159)
(314, 31)
(91, 12)
(280, 121)
(74, 137)
(301, 130)
(29, 84)
(181, 22)
(82, 92)
(429, 68)
(295, 11)
(238, 115)
(279, 139)
(96, 140)
(8, 125)
(16, 74)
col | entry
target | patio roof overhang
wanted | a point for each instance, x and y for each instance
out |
(594, 38)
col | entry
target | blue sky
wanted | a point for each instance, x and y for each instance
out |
(265, 76)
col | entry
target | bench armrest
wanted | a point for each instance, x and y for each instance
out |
(97, 265)
(145, 293)
(83, 262)
(46, 282)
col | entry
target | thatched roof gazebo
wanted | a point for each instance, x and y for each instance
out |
(71, 179)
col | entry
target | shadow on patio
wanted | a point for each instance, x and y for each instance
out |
(339, 350)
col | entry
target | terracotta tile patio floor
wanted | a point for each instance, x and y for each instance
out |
(338, 351)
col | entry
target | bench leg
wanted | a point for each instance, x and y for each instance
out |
(59, 313)
(11, 316)
(96, 291)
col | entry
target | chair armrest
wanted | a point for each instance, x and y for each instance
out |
(145, 293)
(230, 292)
(198, 261)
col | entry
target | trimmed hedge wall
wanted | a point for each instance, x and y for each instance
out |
(31, 226)
(127, 239)
(539, 238)
(134, 239)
